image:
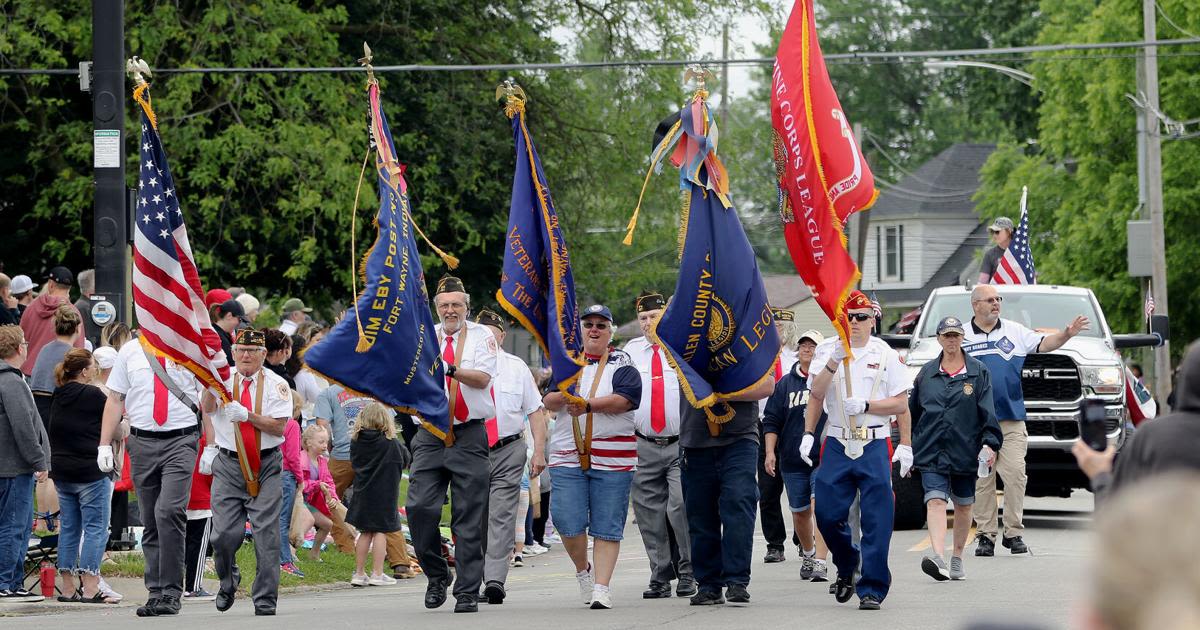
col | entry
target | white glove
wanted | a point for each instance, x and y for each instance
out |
(104, 458)
(234, 412)
(206, 459)
(855, 406)
(839, 353)
(806, 446)
(904, 455)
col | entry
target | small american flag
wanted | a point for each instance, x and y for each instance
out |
(1149, 305)
(875, 306)
(167, 296)
(1016, 266)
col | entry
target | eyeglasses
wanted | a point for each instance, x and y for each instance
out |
(596, 325)
(251, 350)
(859, 317)
(992, 300)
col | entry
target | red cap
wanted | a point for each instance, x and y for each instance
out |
(216, 296)
(857, 301)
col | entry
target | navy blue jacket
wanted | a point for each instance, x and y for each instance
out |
(952, 418)
(784, 415)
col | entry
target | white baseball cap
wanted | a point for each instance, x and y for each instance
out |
(21, 284)
(815, 335)
(105, 357)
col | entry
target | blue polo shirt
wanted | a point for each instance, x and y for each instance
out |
(1003, 351)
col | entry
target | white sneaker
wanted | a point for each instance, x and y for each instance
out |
(359, 579)
(601, 599)
(553, 539)
(535, 550)
(381, 579)
(109, 593)
(587, 584)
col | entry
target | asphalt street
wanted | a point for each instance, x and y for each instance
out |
(1042, 588)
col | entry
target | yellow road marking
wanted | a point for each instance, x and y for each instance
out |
(926, 544)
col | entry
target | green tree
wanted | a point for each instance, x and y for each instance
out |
(1082, 174)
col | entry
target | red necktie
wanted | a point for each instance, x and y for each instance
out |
(249, 433)
(778, 369)
(161, 402)
(460, 405)
(658, 415)
(492, 425)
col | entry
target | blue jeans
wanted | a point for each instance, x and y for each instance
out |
(594, 502)
(84, 510)
(720, 496)
(799, 490)
(285, 516)
(16, 523)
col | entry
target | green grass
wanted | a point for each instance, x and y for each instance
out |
(333, 567)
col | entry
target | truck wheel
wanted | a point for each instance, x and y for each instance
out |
(910, 500)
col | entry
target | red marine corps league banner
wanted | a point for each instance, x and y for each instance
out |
(823, 178)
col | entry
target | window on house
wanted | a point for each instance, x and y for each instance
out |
(889, 242)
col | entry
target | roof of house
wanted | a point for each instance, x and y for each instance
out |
(941, 187)
(946, 275)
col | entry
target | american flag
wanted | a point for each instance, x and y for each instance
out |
(876, 307)
(167, 296)
(1149, 305)
(1016, 266)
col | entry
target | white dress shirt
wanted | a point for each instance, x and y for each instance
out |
(516, 395)
(864, 368)
(276, 403)
(642, 352)
(132, 376)
(479, 352)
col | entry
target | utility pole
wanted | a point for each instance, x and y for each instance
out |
(1154, 196)
(725, 75)
(110, 240)
(860, 223)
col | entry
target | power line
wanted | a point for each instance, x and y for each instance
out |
(835, 58)
(1166, 17)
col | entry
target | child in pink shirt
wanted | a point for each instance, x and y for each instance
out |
(290, 478)
(316, 484)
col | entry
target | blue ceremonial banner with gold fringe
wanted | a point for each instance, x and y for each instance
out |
(717, 328)
(536, 285)
(386, 347)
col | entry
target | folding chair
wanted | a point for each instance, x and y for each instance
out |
(42, 549)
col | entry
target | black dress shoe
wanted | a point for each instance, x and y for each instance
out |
(843, 588)
(686, 587)
(706, 597)
(167, 605)
(1014, 544)
(264, 611)
(225, 598)
(657, 590)
(494, 592)
(985, 546)
(868, 602)
(773, 556)
(435, 594)
(467, 604)
(149, 609)
(737, 594)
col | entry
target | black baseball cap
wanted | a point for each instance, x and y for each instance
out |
(231, 307)
(61, 275)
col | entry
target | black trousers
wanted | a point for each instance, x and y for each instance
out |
(197, 550)
(770, 492)
(538, 531)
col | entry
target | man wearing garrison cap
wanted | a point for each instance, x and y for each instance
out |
(469, 355)
(860, 390)
(243, 456)
(518, 405)
(657, 490)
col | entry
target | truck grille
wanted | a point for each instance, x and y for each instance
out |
(1062, 429)
(1050, 377)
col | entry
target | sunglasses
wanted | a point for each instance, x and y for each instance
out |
(596, 325)
(992, 300)
(859, 317)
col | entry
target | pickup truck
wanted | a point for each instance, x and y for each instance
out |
(1054, 383)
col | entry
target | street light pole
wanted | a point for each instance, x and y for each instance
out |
(1154, 195)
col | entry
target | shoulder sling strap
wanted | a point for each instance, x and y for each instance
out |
(161, 373)
(583, 444)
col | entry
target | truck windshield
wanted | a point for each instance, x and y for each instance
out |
(1035, 310)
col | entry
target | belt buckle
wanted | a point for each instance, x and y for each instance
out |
(858, 433)
(662, 441)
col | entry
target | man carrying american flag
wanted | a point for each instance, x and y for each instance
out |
(1011, 261)
(157, 380)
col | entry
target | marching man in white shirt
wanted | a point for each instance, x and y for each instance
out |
(517, 398)
(469, 352)
(657, 489)
(856, 456)
(244, 459)
(162, 401)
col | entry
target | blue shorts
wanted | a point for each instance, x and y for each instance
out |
(799, 490)
(959, 489)
(594, 502)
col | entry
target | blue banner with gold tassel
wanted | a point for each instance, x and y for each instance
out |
(386, 347)
(536, 285)
(717, 328)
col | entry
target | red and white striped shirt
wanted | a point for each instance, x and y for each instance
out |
(614, 445)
